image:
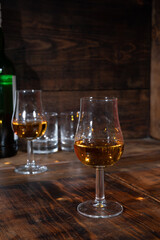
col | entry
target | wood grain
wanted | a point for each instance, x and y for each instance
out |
(47, 210)
(44, 206)
(155, 65)
(68, 46)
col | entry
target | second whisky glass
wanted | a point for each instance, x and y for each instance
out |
(28, 122)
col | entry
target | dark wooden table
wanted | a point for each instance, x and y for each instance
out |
(43, 206)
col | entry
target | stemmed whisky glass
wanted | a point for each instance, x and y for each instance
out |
(28, 122)
(99, 143)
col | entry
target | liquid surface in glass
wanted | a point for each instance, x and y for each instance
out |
(98, 152)
(29, 130)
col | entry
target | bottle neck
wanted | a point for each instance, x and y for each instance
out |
(1, 37)
(0, 16)
(1, 44)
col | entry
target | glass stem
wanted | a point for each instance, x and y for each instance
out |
(100, 195)
(30, 160)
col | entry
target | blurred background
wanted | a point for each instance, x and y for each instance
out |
(75, 48)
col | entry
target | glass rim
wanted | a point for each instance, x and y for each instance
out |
(68, 113)
(28, 90)
(112, 98)
(50, 113)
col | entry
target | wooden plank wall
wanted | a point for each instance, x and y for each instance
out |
(155, 72)
(76, 48)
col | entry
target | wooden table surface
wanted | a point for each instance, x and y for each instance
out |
(43, 206)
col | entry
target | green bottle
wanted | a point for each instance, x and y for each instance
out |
(8, 140)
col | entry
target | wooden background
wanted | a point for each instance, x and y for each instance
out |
(76, 48)
(155, 72)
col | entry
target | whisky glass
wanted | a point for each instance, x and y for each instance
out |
(28, 122)
(99, 143)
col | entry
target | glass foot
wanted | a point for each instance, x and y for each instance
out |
(30, 169)
(94, 209)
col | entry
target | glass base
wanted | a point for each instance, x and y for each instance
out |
(30, 169)
(95, 209)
